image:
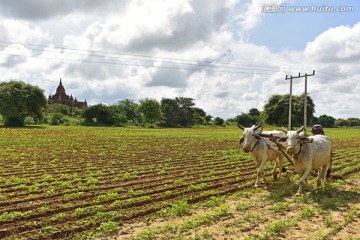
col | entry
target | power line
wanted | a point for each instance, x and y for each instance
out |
(134, 64)
(151, 61)
(262, 67)
(139, 55)
(332, 74)
(180, 67)
(347, 86)
(350, 87)
(195, 65)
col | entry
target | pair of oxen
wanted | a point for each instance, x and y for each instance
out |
(305, 153)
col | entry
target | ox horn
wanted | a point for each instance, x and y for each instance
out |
(285, 131)
(239, 126)
(260, 125)
(300, 130)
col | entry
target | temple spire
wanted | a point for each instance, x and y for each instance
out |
(60, 89)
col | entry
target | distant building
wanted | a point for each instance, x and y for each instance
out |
(61, 97)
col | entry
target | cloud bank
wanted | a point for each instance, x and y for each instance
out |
(112, 50)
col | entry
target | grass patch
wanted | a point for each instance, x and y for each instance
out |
(214, 201)
(204, 218)
(148, 234)
(307, 212)
(244, 205)
(181, 208)
(107, 228)
(350, 215)
(277, 227)
(280, 207)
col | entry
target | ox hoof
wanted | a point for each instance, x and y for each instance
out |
(256, 185)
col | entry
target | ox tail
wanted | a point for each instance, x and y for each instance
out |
(329, 169)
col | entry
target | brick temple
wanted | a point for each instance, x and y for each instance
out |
(61, 97)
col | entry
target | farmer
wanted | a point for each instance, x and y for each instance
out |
(317, 129)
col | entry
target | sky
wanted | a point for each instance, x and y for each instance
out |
(229, 55)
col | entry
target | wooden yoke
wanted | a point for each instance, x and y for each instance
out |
(281, 147)
(271, 136)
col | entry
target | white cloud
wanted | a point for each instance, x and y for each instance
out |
(175, 49)
(21, 32)
(44, 9)
(254, 13)
(169, 25)
(339, 44)
(13, 55)
(169, 77)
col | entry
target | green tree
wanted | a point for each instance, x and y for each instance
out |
(341, 122)
(151, 110)
(219, 121)
(19, 100)
(58, 108)
(254, 112)
(120, 120)
(180, 112)
(248, 119)
(350, 122)
(170, 109)
(326, 121)
(77, 112)
(245, 120)
(199, 116)
(208, 118)
(276, 110)
(55, 118)
(315, 120)
(354, 122)
(99, 114)
(298, 110)
(186, 111)
(127, 108)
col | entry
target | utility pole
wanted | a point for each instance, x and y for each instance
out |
(305, 98)
(290, 104)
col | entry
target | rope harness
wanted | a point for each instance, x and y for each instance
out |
(279, 148)
(256, 142)
(296, 155)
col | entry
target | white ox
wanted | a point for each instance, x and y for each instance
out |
(308, 153)
(262, 149)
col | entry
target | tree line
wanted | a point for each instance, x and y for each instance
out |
(169, 112)
(276, 111)
(22, 103)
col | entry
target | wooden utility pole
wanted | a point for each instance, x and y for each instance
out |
(305, 98)
(290, 104)
(305, 103)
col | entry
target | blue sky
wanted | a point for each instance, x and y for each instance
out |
(291, 30)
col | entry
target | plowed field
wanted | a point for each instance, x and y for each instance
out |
(79, 182)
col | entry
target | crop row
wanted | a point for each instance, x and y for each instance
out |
(60, 182)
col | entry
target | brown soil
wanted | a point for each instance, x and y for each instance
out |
(327, 221)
